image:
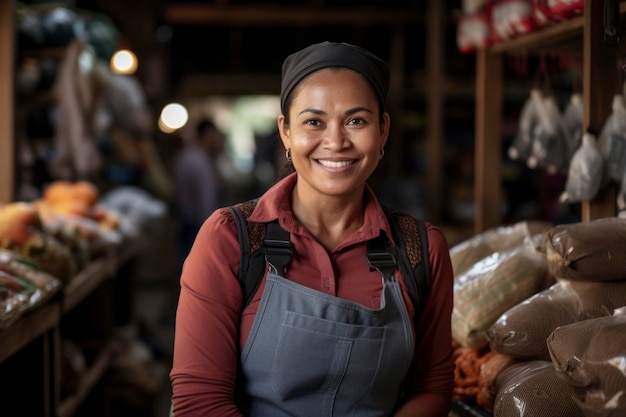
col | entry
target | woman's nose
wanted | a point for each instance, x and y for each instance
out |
(335, 137)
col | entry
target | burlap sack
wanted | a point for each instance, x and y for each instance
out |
(533, 389)
(465, 254)
(491, 287)
(592, 354)
(587, 251)
(521, 332)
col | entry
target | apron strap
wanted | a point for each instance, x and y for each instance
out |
(380, 257)
(278, 252)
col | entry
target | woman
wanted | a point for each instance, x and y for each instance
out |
(332, 338)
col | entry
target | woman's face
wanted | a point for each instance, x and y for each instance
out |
(335, 134)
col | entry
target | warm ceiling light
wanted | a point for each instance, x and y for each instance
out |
(124, 62)
(173, 116)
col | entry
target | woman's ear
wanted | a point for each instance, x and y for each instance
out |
(384, 128)
(283, 131)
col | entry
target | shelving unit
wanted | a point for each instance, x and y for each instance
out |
(600, 78)
(30, 348)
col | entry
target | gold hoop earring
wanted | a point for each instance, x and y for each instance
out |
(288, 155)
(382, 153)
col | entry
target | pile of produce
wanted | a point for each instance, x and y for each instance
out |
(45, 243)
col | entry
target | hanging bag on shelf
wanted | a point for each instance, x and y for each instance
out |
(585, 173)
(549, 139)
(612, 142)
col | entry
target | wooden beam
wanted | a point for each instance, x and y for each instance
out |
(600, 84)
(435, 137)
(488, 191)
(202, 14)
(7, 94)
(395, 147)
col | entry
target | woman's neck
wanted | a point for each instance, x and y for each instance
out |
(329, 219)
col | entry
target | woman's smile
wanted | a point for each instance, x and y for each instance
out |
(335, 164)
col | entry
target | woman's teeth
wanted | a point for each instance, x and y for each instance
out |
(335, 164)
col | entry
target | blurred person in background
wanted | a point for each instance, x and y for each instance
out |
(199, 187)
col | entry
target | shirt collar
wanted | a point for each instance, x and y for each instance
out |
(275, 203)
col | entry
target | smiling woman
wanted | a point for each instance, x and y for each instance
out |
(330, 319)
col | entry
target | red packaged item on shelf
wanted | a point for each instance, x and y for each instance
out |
(510, 18)
(565, 9)
(473, 32)
(549, 11)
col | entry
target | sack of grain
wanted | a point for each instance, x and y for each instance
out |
(587, 251)
(522, 331)
(465, 254)
(533, 389)
(592, 354)
(492, 286)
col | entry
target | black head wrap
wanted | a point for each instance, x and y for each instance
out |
(329, 54)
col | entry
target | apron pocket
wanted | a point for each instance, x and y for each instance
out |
(323, 356)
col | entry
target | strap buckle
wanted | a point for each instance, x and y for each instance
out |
(380, 258)
(277, 248)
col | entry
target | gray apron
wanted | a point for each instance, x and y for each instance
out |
(313, 354)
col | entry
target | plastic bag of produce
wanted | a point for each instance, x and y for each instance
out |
(612, 142)
(12, 263)
(573, 118)
(587, 251)
(11, 304)
(491, 287)
(550, 139)
(521, 331)
(528, 120)
(592, 354)
(533, 389)
(465, 254)
(584, 177)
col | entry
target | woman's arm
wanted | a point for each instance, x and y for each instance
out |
(207, 323)
(430, 382)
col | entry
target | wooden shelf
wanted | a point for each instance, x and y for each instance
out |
(28, 327)
(87, 281)
(582, 35)
(70, 405)
(546, 38)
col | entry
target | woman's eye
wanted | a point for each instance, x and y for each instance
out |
(312, 122)
(356, 121)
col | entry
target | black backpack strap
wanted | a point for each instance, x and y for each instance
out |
(411, 240)
(277, 248)
(251, 258)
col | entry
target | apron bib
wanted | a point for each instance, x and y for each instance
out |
(312, 354)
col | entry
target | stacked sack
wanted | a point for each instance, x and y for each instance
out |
(494, 271)
(565, 347)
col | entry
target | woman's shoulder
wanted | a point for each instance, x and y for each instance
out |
(220, 223)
